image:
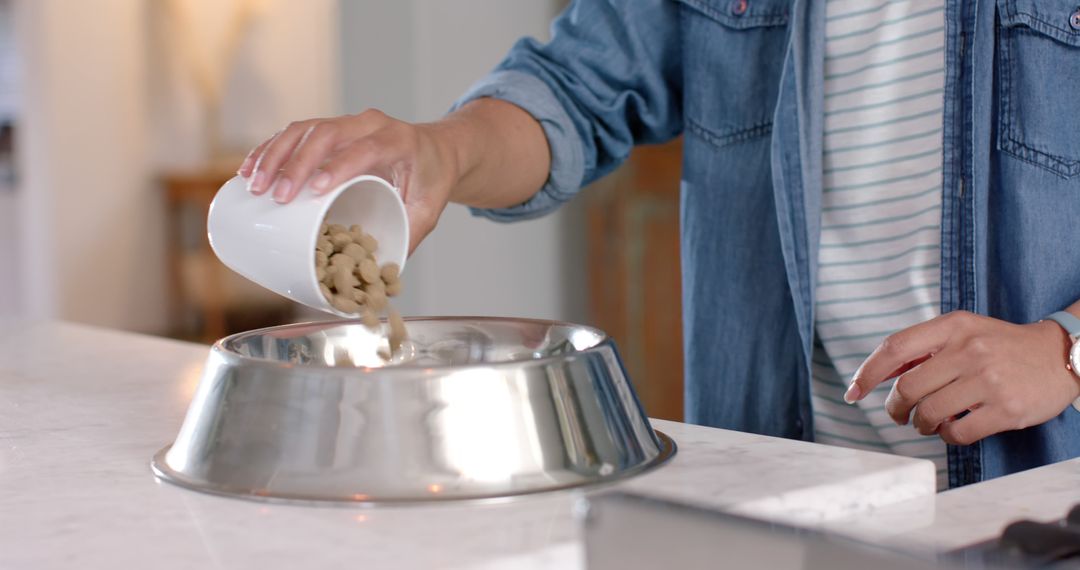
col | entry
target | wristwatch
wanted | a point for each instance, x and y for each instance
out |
(1071, 325)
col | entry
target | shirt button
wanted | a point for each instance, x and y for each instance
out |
(1074, 20)
(738, 7)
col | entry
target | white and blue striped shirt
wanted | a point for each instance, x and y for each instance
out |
(879, 265)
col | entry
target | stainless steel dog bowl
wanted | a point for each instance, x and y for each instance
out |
(471, 408)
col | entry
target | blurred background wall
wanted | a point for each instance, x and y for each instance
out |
(434, 51)
(9, 103)
(119, 119)
(112, 97)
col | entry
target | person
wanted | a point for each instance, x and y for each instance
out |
(871, 190)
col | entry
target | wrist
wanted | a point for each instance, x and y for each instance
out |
(1062, 337)
(448, 157)
(460, 140)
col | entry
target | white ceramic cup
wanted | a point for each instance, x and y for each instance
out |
(274, 244)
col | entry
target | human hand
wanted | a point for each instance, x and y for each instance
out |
(319, 154)
(967, 377)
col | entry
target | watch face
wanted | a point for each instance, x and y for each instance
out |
(1074, 358)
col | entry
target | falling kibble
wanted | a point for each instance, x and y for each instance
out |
(398, 334)
(352, 281)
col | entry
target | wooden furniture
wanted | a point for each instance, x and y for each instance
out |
(634, 272)
(207, 300)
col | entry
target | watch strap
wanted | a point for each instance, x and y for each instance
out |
(1067, 321)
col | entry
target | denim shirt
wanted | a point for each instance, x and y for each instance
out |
(742, 80)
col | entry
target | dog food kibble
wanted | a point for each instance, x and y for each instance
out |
(368, 242)
(344, 304)
(356, 232)
(344, 281)
(351, 280)
(340, 240)
(377, 295)
(369, 271)
(355, 251)
(342, 261)
(390, 272)
(371, 320)
(398, 333)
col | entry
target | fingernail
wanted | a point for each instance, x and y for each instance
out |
(853, 393)
(281, 190)
(255, 183)
(321, 181)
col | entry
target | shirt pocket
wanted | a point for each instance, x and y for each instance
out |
(1039, 89)
(733, 52)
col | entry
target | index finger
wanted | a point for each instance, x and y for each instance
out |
(901, 351)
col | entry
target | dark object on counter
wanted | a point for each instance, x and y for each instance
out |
(1030, 544)
(8, 177)
(625, 531)
(1043, 542)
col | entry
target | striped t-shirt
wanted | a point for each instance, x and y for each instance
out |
(880, 263)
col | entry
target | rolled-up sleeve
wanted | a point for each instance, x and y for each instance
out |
(609, 78)
(567, 157)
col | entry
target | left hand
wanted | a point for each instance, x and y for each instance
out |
(1005, 376)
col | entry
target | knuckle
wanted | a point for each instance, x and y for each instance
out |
(962, 316)
(893, 344)
(321, 129)
(894, 408)
(992, 379)
(905, 389)
(373, 115)
(978, 347)
(292, 169)
(960, 319)
(924, 428)
(926, 414)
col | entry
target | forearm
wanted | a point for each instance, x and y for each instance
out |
(499, 152)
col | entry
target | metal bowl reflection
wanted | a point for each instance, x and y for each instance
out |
(472, 408)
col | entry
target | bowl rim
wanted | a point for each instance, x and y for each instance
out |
(219, 346)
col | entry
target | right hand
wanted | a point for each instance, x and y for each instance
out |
(320, 154)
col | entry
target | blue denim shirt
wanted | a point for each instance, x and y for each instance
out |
(743, 83)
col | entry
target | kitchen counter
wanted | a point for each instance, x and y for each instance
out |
(82, 410)
(970, 514)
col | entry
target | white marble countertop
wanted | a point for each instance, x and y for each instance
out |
(82, 410)
(971, 514)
